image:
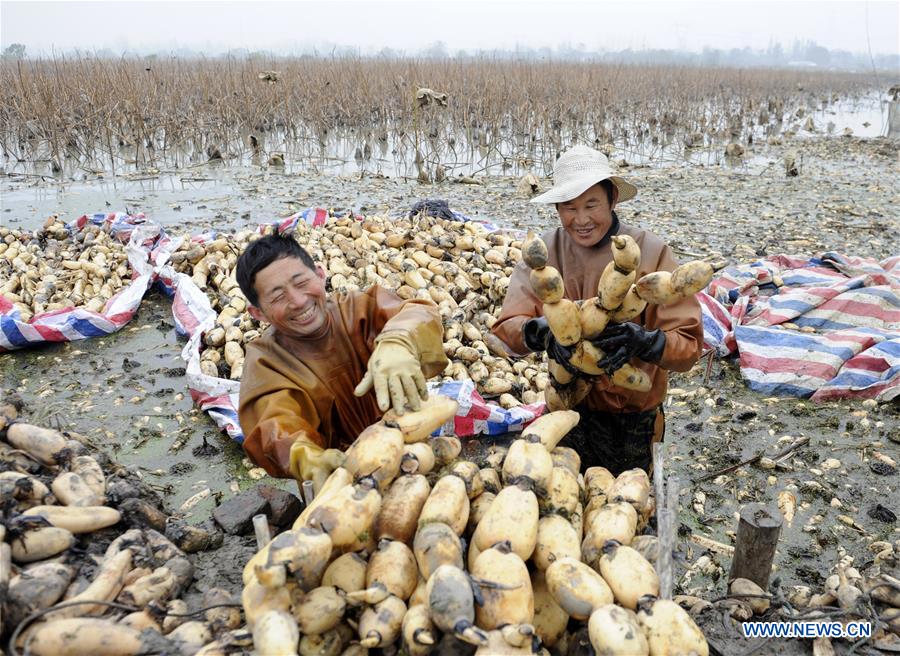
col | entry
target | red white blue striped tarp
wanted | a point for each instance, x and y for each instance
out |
(149, 249)
(71, 323)
(843, 313)
(219, 397)
(849, 305)
(478, 417)
(316, 217)
(74, 323)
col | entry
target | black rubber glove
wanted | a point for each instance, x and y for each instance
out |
(537, 336)
(623, 341)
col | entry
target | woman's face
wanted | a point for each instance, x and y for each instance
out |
(587, 218)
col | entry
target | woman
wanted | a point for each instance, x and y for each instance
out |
(617, 425)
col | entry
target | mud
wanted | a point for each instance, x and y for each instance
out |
(743, 208)
(127, 392)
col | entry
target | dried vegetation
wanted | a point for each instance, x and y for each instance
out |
(109, 114)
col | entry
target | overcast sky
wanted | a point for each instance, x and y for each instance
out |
(286, 27)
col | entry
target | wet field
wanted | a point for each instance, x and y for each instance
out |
(127, 392)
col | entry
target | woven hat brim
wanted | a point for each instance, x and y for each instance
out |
(574, 188)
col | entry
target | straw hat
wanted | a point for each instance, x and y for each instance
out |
(578, 169)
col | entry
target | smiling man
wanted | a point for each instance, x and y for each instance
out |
(617, 425)
(329, 365)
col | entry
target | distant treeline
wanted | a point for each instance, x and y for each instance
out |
(801, 54)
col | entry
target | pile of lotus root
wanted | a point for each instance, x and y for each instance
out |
(408, 546)
(50, 269)
(460, 266)
(620, 298)
(87, 564)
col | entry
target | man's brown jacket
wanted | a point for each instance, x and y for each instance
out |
(302, 389)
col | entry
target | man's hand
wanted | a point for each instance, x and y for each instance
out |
(537, 336)
(312, 463)
(623, 341)
(396, 375)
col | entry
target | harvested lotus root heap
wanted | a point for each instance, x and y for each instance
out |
(620, 298)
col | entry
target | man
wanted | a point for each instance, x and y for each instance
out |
(617, 425)
(306, 392)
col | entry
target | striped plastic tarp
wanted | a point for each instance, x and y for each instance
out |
(315, 217)
(74, 323)
(71, 323)
(149, 248)
(478, 417)
(218, 397)
(845, 338)
(852, 304)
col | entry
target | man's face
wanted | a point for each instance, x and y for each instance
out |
(588, 217)
(291, 297)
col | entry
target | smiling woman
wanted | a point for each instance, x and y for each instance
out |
(328, 366)
(589, 217)
(617, 424)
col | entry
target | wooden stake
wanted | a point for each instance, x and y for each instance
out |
(261, 529)
(757, 536)
(309, 492)
(663, 521)
(667, 525)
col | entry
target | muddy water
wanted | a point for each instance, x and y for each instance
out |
(127, 391)
(493, 150)
(166, 198)
(843, 200)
